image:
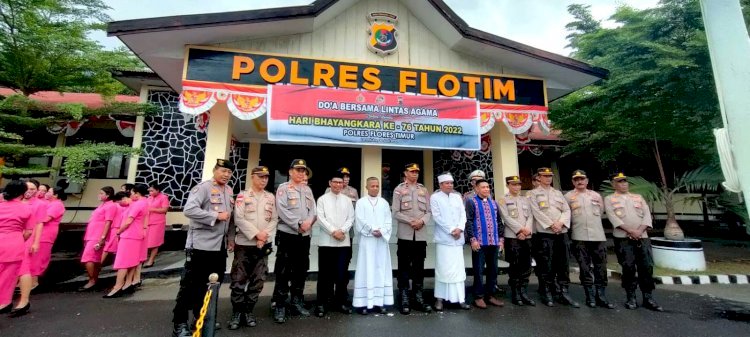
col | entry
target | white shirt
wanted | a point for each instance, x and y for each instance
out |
(335, 212)
(373, 213)
(449, 213)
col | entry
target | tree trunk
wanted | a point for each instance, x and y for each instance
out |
(672, 230)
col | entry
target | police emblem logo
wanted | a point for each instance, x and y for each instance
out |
(383, 35)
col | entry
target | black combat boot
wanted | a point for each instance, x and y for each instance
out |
(545, 296)
(249, 316)
(525, 296)
(515, 295)
(601, 298)
(419, 299)
(649, 303)
(181, 330)
(564, 298)
(404, 296)
(236, 320)
(590, 300)
(297, 307)
(630, 302)
(279, 313)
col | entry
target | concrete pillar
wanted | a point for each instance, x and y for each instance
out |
(504, 157)
(729, 47)
(428, 170)
(372, 166)
(218, 138)
(253, 159)
(137, 138)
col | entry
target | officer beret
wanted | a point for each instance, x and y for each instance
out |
(477, 173)
(512, 179)
(298, 163)
(260, 171)
(619, 176)
(411, 167)
(579, 174)
(544, 171)
(225, 163)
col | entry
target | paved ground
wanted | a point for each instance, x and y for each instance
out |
(689, 312)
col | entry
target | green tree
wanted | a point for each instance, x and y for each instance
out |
(659, 101)
(44, 47)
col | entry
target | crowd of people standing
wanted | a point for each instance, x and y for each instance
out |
(538, 225)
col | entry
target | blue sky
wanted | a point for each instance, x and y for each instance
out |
(538, 23)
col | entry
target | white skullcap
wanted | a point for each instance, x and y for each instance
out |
(477, 173)
(445, 177)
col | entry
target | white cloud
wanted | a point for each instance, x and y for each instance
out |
(538, 23)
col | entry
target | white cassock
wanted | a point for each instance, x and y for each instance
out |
(373, 280)
(449, 213)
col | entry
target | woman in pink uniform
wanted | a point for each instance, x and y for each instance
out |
(97, 231)
(16, 221)
(158, 204)
(55, 211)
(132, 233)
(25, 281)
(122, 200)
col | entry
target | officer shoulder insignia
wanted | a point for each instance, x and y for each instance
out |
(501, 200)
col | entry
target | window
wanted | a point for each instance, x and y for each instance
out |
(115, 167)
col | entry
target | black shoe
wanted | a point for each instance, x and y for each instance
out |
(515, 296)
(630, 302)
(320, 311)
(601, 298)
(649, 303)
(129, 290)
(545, 296)
(297, 308)
(279, 314)
(590, 300)
(181, 330)
(438, 304)
(250, 319)
(564, 298)
(404, 296)
(362, 311)
(116, 294)
(345, 309)
(464, 305)
(525, 297)
(419, 298)
(382, 310)
(18, 312)
(7, 308)
(236, 321)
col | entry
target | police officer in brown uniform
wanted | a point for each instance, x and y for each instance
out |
(631, 218)
(589, 242)
(516, 212)
(255, 221)
(296, 207)
(411, 209)
(208, 208)
(551, 242)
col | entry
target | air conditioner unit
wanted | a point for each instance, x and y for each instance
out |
(72, 187)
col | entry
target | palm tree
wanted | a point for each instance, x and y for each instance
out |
(703, 179)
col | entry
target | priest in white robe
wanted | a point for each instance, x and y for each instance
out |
(449, 214)
(373, 279)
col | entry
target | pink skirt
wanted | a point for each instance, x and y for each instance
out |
(8, 279)
(25, 267)
(156, 235)
(111, 245)
(144, 247)
(129, 252)
(90, 254)
(40, 260)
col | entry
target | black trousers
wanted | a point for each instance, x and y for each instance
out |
(333, 264)
(411, 255)
(199, 264)
(249, 270)
(485, 257)
(292, 263)
(552, 260)
(592, 258)
(637, 263)
(518, 255)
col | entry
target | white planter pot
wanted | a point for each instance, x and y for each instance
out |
(686, 255)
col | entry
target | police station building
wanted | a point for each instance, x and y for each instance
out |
(366, 84)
